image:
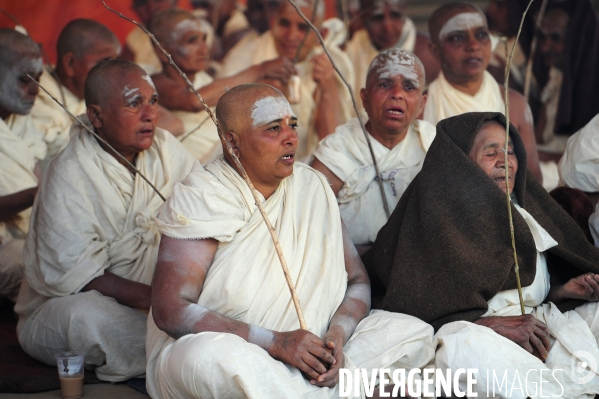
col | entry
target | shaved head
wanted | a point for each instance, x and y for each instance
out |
(303, 4)
(80, 37)
(395, 61)
(105, 77)
(14, 45)
(442, 15)
(369, 6)
(168, 26)
(234, 109)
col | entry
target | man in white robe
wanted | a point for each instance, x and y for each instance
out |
(324, 102)
(223, 324)
(81, 45)
(91, 252)
(393, 99)
(184, 37)
(21, 148)
(461, 42)
(386, 26)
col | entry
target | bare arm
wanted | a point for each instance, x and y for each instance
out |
(334, 181)
(521, 118)
(178, 280)
(126, 292)
(585, 287)
(354, 307)
(329, 113)
(12, 204)
(175, 95)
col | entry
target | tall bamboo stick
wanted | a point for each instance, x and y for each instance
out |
(100, 139)
(351, 93)
(240, 168)
(533, 49)
(505, 154)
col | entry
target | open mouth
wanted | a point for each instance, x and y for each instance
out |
(395, 111)
(288, 157)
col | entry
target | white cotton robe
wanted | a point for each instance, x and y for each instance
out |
(264, 49)
(346, 154)
(361, 52)
(574, 336)
(579, 166)
(200, 137)
(245, 282)
(21, 147)
(92, 216)
(50, 118)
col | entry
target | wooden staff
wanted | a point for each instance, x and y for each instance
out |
(303, 42)
(351, 93)
(100, 139)
(533, 49)
(229, 150)
(505, 149)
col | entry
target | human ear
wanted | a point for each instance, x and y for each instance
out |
(68, 62)
(233, 140)
(434, 49)
(94, 114)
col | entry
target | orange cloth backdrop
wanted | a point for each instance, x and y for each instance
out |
(44, 19)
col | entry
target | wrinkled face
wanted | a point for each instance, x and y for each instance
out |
(267, 147)
(260, 13)
(384, 24)
(17, 91)
(187, 45)
(464, 46)
(393, 95)
(289, 30)
(101, 51)
(128, 116)
(552, 37)
(146, 9)
(487, 152)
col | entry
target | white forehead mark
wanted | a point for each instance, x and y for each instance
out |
(463, 21)
(148, 79)
(185, 26)
(127, 92)
(379, 6)
(394, 62)
(269, 109)
(260, 336)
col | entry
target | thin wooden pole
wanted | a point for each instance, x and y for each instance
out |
(240, 168)
(351, 93)
(505, 154)
(533, 50)
(100, 139)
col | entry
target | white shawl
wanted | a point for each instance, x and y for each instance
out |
(92, 215)
(445, 101)
(21, 147)
(246, 281)
(200, 137)
(346, 154)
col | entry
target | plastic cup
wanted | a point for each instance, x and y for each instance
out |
(70, 373)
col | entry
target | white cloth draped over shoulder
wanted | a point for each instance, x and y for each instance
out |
(579, 166)
(21, 147)
(92, 215)
(200, 137)
(346, 154)
(361, 52)
(574, 337)
(445, 101)
(264, 49)
(246, 283)
(50, 118)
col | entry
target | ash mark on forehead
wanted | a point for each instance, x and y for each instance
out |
(148, 79)
(463, 21)
(183, 27)
(394, 62)
(268, 109)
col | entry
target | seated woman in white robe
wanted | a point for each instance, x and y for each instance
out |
(21, 148)
(186, 38)
(393, 100)
(222, 323)
(92, 247)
